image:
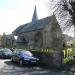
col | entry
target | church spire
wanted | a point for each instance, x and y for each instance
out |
(34, 18)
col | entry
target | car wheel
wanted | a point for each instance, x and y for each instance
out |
(21, 62)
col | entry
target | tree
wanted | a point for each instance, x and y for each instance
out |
(65, 13)
(73, 13)
(4, 40)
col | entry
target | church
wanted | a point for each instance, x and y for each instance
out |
(39, 33)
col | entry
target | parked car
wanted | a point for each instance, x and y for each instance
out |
(5, 53)
(24, 57)
(0, 53)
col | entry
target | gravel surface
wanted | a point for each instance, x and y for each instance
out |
(9, 68)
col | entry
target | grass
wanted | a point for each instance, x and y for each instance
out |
(67, 59)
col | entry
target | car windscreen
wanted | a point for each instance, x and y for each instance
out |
(26, 53)
(7, 51)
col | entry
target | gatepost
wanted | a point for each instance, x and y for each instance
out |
(57, 58)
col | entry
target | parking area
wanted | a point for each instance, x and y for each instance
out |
(9, 68)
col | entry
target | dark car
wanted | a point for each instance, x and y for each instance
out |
(5, 53)
(0, 53)
(24, 57)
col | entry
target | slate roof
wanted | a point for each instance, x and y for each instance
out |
(17, 30)
(32, 26)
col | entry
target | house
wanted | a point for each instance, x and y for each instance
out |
(39, 33)
(68, 40)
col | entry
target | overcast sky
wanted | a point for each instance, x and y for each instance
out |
(17, 12)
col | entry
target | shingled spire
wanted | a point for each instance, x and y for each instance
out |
(34, 18)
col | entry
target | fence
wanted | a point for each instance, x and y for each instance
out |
(68, 55)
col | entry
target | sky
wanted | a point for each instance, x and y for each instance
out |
(17, 12)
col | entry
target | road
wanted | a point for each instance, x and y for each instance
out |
(9, 68)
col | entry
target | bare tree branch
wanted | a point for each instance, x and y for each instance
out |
(64, 11)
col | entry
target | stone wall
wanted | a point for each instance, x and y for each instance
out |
(33, 38)
(52, 35)
(49, 58)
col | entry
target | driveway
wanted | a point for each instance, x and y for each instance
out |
(9, 68)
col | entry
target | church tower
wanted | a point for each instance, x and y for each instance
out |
(34, 18)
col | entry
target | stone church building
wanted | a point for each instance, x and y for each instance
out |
(39, 33)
